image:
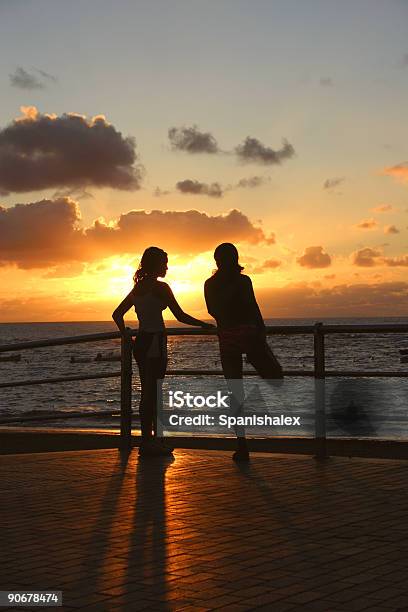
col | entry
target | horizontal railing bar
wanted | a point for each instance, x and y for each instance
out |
(183, 331)
(60, 379)
(374, 328)
(55, 417)
(290, 373)
(20, 346)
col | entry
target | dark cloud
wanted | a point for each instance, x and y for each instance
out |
(314, 257)
(46, 75)
(332, 183)
(72, 192)
(367, 224)
(252, 150)
(25, 80)
(29, 80)
(214, 190)
(252, 182)
(40, 234)
(326, 82)
(366, 258)
(45, 151)
(191, 140)
(269, 264)
(395, 262)
(159, 193)
(48, 233)
(391, 229)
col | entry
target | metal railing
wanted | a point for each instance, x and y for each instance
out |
(318, 330)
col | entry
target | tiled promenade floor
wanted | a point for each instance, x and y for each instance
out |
(201, 533)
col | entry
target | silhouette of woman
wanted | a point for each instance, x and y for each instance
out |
(231, 301)
(150, 297)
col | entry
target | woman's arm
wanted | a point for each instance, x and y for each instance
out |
(177, 311)
(258, 319)
(208, 296)
(121, 310)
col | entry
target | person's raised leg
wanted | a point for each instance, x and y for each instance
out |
(261, 357)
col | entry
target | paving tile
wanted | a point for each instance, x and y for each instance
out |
(202, 533)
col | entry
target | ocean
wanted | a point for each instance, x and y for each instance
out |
(368, 407)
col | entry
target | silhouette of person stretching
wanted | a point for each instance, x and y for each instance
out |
(231, 301)
(150, 297)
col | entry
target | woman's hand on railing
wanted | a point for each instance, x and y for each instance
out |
(127, 333)
(205, 325)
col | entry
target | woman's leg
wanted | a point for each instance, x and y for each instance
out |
(231, 361)
(140, 351)
(156, 371)
(261, 357)
(150, 352)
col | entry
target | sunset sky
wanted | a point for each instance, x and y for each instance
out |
(278, 125)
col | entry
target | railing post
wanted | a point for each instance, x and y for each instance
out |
(126, 393)
(320, 388)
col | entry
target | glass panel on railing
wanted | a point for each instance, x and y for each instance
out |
(367, 407)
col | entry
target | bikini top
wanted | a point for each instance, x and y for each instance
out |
(149, 309)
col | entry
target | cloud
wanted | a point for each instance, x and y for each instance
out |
(314, 257)
(360, 299)
(391, 229)
(332, 183)
(159, 193)
(399, 172)
(25, 80)
(367, 224)
(395, 262)
(46, 75)
(366, 258)
(197, 188)
(45, 151)
(382, 208)
(214, 190)
(326, 81)
(48, 233)
(191, 140)
(268, 264)
(252, 182)
(40, 234)
(72, 192)
(253, 151)
(179, 232)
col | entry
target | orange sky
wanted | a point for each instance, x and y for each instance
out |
(179, 135)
